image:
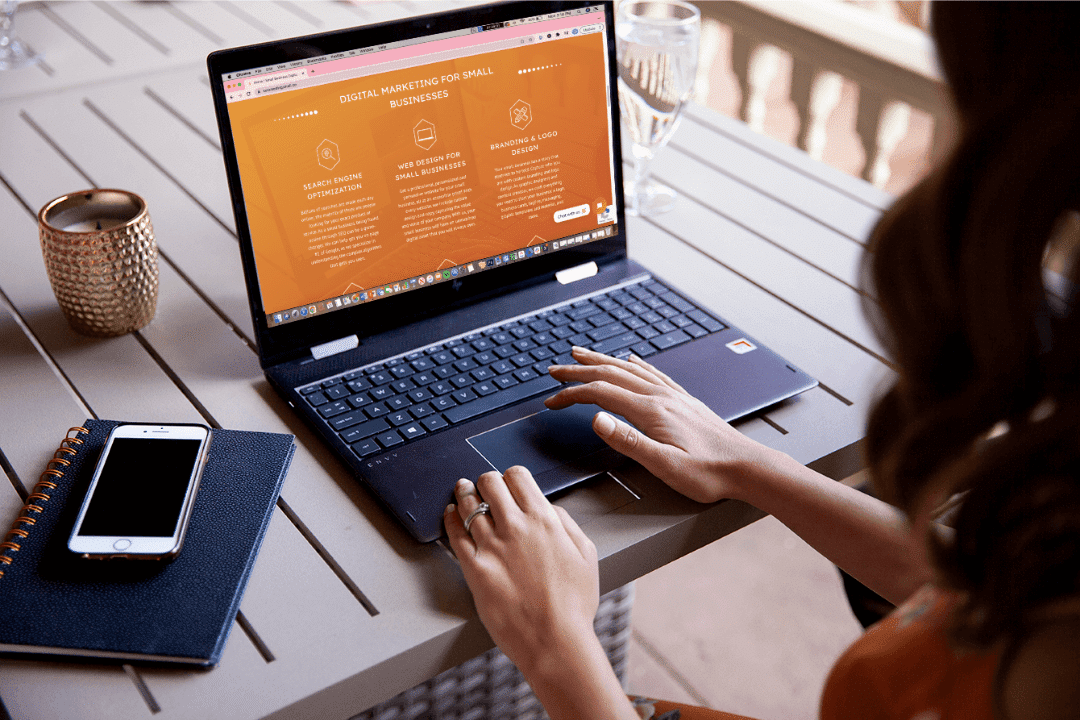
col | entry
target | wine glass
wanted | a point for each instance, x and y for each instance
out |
(13, 53)
(657, 44)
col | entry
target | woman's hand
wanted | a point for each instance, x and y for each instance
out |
(534, 578)
(681, 440)
(532, 571)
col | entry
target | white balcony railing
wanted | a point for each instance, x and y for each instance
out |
(892, 63)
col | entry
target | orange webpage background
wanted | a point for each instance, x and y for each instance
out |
(369, 214)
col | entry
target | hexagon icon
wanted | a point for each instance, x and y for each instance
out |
(424, 134)
(520, 114)
(327, 154)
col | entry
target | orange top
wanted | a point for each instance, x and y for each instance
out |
(904, 668)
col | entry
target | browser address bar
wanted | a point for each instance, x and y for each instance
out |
(263, 81)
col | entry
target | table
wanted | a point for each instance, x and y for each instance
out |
(343, 609)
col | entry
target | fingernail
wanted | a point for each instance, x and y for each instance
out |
(577, 349)
(604, 424)
(450, 509)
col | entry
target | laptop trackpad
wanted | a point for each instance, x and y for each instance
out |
(558, 447)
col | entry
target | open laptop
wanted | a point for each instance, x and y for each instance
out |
(430, 213)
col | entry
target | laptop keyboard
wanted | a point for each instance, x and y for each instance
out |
(380, 406)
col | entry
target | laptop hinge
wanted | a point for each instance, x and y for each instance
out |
(579, 272)
(334, 347)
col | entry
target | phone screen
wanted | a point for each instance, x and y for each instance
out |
(141, 489)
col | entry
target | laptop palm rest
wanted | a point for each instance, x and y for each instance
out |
(559, 447)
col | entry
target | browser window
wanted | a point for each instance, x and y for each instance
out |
(385, 169)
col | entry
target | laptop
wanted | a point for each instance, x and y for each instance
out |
(430, 213)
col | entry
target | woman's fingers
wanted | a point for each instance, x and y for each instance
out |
(468, 500)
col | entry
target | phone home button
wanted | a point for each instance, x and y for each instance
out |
(122, 544)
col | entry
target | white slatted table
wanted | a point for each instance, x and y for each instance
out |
(343, 609)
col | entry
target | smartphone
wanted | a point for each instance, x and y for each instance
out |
(142, 492)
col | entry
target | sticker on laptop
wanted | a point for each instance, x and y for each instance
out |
(741, 346)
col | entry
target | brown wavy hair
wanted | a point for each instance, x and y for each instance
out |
(955, 276)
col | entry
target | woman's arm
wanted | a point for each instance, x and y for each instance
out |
(682, 442)
(534, 578)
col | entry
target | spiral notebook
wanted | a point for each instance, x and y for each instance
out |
(54, 602)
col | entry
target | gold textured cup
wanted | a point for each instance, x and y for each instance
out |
(101, 259)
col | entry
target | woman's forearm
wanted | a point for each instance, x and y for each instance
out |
(863, 535)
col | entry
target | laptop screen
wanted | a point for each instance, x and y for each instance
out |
(380, 170)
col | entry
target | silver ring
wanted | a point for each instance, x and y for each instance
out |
(481, 509)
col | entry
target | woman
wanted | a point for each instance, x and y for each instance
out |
(985, 413)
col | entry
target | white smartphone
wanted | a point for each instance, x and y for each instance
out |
(142, 492)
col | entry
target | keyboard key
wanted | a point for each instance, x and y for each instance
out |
(444, 371)
(433, 423)
(358, 385)
(483, 373)
(419, 394)
(422, 364)
(365, 448)
(583, 312)
(308, 390)
(681, 321)
(463, 351)
(424, 378)
(399, 417)
(677, 302)
(501, 399)
(398, 402)
(643, 350)
(485, 358)
(483, 345)
(647, 333)
(696, 331)
(316, 399)
(461, 381)
(365, 430)
(616, 343)
(558, 320)
(525, 374)
(359, 400)
(419, 411)
(522, 360)
(337, 392)
(702, 319)
(465, 365)
(601, 320)
(521, 332)
(671, 339)
(443, 357)
(523, 345)
(562, 332)
(376, 409)
(443, 403)
(412, 431)
(505, 381)
(463, 396)
(605, 332)
(663, 327)
(485, 388)
(335, 408)
(502, 366)
(442, 387)
(401, 371)
(381, 393)
(389, 439)
(380, 378)
(340, 422)
(402, 386)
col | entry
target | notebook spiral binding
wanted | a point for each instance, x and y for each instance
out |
(36, 499)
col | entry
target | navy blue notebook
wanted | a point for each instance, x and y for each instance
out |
(57, 603)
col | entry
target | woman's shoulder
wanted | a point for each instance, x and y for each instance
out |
(1041, 676)
(905, 667)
